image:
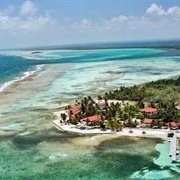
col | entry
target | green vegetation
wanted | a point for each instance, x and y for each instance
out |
(157, 92)
(163, 95)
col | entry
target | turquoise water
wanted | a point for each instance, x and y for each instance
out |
(166, 170)
(56, 158)
(13, 65)
(109, 67)
(31, 148)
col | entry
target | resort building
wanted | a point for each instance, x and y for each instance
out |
(92, 120)
(173, 125)
(147, 122)
(149, 111)
(102, 104)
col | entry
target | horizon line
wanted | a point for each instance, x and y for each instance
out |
(89, 44)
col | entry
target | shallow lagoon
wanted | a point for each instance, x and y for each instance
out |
(58, 157)
(31, 148)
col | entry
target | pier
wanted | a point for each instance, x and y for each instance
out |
(174, 151)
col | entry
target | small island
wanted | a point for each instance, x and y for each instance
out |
(36, 52)
(149, 110)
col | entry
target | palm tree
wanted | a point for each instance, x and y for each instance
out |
(99, 97)
(109, 124)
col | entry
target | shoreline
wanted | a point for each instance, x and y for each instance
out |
(137, 132)
(26, 76)
(20, 88)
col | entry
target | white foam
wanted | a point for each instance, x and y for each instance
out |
(62, 155)
(25, 75)
(5, 85)
(146, 174)
(52, 157)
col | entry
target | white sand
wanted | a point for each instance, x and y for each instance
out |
(155, 133)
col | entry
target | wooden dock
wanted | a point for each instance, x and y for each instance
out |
(173, 148)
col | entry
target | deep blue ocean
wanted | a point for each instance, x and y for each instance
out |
(13, 66)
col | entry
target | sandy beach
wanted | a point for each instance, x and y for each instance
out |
(101, 136)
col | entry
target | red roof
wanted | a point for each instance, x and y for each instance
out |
(148, 121)
(74, 109)
(92, 118)
(102, 103)
(149, 110)
(173, 124)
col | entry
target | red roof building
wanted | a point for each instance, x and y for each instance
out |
(173, 124)
(102, 104)
(92, 118)
(149, 110)
(148, 121)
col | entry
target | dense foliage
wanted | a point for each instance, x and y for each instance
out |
(162, 94)
(158, 91)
